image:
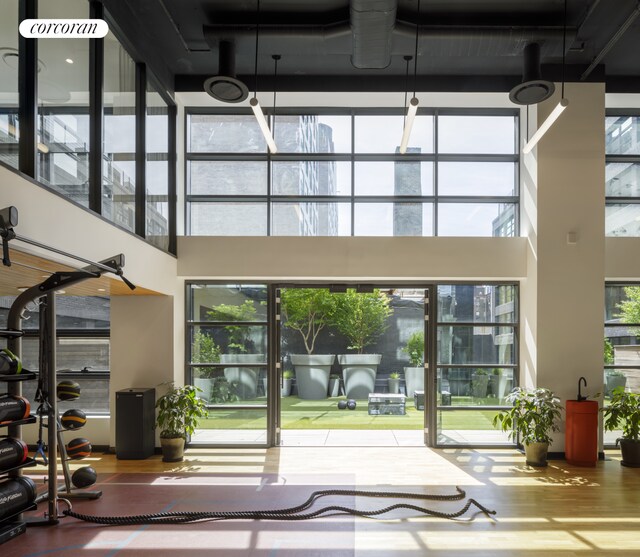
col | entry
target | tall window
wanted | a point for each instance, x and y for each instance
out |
(82, 348)
(621, 341)
(341, 174)
(622, 144)
(119, 142)
(9, 83)
(63, 106)
(157, 168)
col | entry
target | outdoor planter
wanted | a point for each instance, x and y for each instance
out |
(334, 386)
(286, 387)
(245, 378)
(505, 384)
(312, 374)
(414, 379)
(359, 373)
(615, 380)
(394, 386)
(205, 384)
(479, 385)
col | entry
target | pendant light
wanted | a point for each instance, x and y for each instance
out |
(413, 103)
(255, 105)
(560, 107)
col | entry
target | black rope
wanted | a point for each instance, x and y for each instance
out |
(293, 513)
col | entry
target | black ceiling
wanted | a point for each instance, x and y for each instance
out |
(464, 45)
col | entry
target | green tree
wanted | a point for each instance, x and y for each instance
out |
(239, 335)
(361, 317)
(608, 351)
(415, 349)
(308, 311)
(204, 351)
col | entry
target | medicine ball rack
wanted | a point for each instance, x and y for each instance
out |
(45, 292)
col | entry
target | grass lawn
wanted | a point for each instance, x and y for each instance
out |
(324, 414)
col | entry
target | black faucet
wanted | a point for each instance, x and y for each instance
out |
(580, 397)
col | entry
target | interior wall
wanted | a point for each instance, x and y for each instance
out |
(142, 346)
(570, 250)
(50, 218)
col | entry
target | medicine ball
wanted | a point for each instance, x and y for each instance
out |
(78, 448)
(342, 404)
(13, 408)
(10, 364)
(351, 404)
(73, 419)
(67, 390)
(84, 477)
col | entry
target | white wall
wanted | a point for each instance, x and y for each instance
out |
(51, 219)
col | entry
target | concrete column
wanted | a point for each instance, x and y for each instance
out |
(563, 296)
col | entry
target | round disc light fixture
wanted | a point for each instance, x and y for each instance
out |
(226, 87)
(533, 89)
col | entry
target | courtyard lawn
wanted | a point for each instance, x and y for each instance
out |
(324, 414)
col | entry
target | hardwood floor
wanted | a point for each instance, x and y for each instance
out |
(560, 510)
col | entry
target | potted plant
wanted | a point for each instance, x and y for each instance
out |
(222, 391)
(334, 385)
(287, 379)
(614, 379)
(414, 374)
(533, 416)
(479, 383)
(623, 412)
(394, 382)
(361, 318)
(179, 410)
(308, 311)
(204, 351)
(239, 344)
(494, 382)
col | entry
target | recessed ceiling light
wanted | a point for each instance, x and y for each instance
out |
(69, 61)
(102, 289)
(61, 292)
(22, 288)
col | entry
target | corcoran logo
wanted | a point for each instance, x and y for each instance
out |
(63, 28)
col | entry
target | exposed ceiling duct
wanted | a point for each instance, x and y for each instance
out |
(372, 24)
(533, 89)
(225, 86)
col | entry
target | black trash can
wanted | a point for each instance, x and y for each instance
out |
(135, 423)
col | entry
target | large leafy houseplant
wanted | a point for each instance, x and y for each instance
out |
(414, 372)
(179, 411)
(623, 412)
(533, 416)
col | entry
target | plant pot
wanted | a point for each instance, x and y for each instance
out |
(286, 387)
(205, 384)
(172, 449)
(479, 385)
(312, 374)
(244, 378)
(505, 385)
(334, 387)
(536, 453)
(494, 381)
(394, 386)
(414, 379)
(615, 381)
(630, 452)
(359, 374)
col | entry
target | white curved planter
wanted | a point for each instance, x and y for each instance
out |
(414, 380)
(312, 374)
(359, 374)
(245, 378)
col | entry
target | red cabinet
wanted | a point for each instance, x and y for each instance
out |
(581, 435)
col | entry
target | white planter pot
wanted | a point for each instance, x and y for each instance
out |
(245, 378)
(312, 374)
(359, 374)
(414, 379)
(205, 384)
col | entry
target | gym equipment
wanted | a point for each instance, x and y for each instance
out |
(13, 408)
(342, 404)
(84, 477)
(351, 404)
(67, 390)
(293, 513)
(16, 495)
(78, 448)
(10, 364)
(13, 452)
(73, 419)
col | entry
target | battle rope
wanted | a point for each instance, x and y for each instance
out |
(290, 513)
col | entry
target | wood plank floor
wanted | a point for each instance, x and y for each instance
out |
(561, 510)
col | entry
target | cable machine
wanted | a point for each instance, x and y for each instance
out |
(45, 293)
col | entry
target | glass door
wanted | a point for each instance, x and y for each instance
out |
(227, 354)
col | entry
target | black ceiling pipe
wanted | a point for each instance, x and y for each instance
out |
(533, 88)
(372, 25)
(225, 86)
